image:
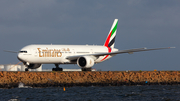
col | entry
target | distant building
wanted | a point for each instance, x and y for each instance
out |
(13, 67)
(1, 67)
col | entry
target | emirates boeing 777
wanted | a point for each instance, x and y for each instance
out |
(85, 56)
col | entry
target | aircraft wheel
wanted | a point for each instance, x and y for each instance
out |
(26, 69)
(57, 69)
(60, 69)
(53, 69)
(86, 69)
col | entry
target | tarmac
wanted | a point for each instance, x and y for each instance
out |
(95, 78)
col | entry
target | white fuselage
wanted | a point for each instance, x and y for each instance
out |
(56, 54)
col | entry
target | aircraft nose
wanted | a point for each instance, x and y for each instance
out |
(20, 57)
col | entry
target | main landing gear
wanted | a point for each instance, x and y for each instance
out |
(57, 68)
(86, 69)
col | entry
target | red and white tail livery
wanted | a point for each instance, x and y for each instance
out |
(110, 41)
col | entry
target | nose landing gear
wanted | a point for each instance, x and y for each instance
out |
(26, 69)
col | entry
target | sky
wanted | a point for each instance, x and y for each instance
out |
(142, 23)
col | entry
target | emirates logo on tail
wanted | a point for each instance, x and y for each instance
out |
(110, 41)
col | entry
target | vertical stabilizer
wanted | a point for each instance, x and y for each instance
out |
(110, 41)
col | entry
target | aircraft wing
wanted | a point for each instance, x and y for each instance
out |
(10, 51)
(130, 51)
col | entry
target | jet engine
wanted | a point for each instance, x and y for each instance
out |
(85, 62)
(33, 66)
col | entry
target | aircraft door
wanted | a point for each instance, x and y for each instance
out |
(92, 52)
(73, 52)
(35, 52)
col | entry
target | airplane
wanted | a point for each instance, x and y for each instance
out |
(85, 56)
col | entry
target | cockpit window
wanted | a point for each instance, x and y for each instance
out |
(22, 51)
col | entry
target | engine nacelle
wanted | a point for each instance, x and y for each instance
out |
(85, 62)
(33, 66)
